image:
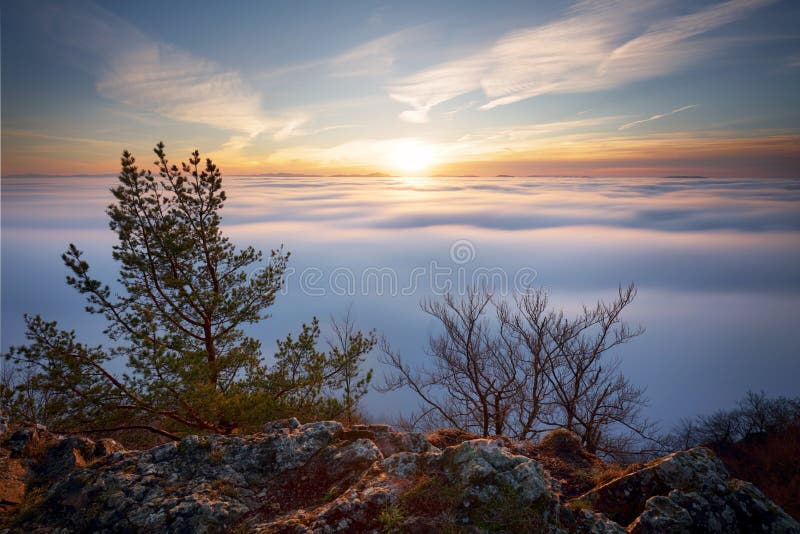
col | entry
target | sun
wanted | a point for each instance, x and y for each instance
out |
(411, 156)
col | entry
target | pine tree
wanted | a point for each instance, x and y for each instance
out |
(186, 293)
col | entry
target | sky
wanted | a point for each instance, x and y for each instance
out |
(596, 87)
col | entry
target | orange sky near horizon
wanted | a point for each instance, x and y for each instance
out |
(590, 87)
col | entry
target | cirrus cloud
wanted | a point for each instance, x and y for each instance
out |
(152, 76)
(599, 45)
(656, 117)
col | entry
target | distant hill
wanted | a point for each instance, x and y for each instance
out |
(285, 175)
(370, 175)
(38, 175)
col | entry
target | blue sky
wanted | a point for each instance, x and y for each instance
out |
(595, 87)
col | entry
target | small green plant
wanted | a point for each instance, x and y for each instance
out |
(581, 503)
(391, 518)
(332, 493)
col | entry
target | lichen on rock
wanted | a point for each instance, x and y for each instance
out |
(322, 477)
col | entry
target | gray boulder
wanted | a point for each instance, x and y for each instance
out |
(321, 477)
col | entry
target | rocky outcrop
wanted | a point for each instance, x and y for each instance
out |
(33, 456)
(624, 498)
(321, 477)
(478, 484)
(688, 491)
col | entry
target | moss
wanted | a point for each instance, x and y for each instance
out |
(436, 497)
(431, 496)
(508, 512)
(580, 503)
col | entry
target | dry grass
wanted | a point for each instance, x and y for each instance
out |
(614, 471)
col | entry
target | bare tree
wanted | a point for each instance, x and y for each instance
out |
(519, 368)
(590, 393)
(21, 398)
(755, 414)
(471, 382)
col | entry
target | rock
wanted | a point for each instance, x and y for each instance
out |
(320, 477)
(27, 441)
(12, 481)
(739, 508)
(298, 446)
(21, 458)
(389, 441)
(477, 461)
(355, 457)
(66, 455)
(281, 425)
(588, 522)
(688, 492)
(447, 437)
(624, 498)
(107, 447)
(476, 485)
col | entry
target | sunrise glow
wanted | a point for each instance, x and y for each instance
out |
(552, 88)
(411, 156)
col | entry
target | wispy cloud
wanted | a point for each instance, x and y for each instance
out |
(373, 58)
(599, 45)
(32, 134)
(656, 117)
(152, 76)
(449, 115)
